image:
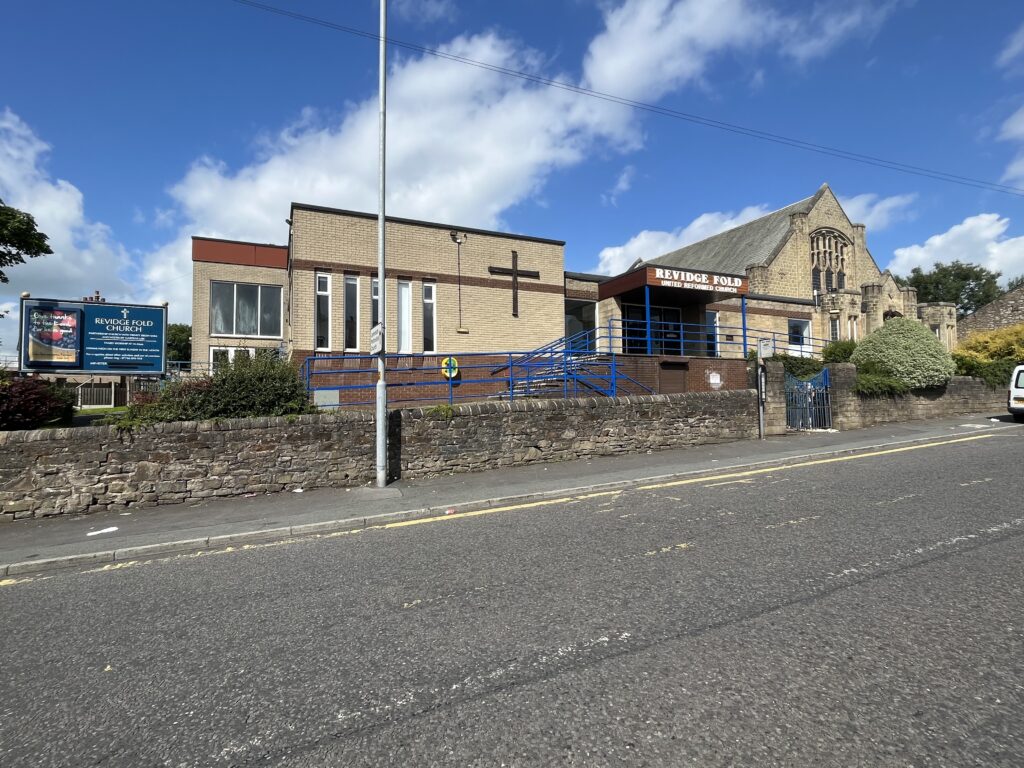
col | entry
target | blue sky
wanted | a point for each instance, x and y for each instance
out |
(127, 127)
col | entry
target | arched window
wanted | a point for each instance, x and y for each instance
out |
(828, 254)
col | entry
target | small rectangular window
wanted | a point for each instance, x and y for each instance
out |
(833, 329)
(429, 318)
(221, 356)
(374, 302)
(351, 313)
(323, 312)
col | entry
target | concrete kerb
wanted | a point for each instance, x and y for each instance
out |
(312, 530)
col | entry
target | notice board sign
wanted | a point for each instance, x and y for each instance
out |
(93, 337)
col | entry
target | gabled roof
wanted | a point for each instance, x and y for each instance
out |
(732, 251)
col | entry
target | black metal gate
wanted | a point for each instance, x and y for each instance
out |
(808, 403)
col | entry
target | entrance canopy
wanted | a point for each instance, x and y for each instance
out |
(723, 286)
(664, 310)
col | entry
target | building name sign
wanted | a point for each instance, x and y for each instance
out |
(698, 281)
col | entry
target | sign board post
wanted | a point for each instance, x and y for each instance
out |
(92, 337)
(764, 350)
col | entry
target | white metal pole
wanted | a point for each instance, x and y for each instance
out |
(382, 391)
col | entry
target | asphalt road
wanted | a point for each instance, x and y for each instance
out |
(857, 611)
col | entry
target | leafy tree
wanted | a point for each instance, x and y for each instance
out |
(1015, 282)
(969, 286)
(179, 341)
(19, 238)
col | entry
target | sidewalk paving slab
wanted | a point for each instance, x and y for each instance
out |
(48, 542)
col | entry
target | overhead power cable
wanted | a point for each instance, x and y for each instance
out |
(708, 122)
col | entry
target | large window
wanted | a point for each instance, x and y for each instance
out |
(829, 250)
(404, 316)
(351, 312)
(245, 309)
(429, 317)
(323, 311)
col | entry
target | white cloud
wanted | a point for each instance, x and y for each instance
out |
(85, 256)
(1012, 129)
(424, 11)
(977, 239)
(650, 244)
(810, 36)
(622, 185)
(875, 212)
(1013, 49)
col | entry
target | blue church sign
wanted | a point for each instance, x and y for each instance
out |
(92, 337)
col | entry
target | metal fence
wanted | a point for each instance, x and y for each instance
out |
(809, 402)
(453, 378)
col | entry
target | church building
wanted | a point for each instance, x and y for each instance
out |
(800, 277)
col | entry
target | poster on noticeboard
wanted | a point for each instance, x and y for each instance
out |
(54, 337)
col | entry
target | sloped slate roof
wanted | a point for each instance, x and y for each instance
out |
(732, 251)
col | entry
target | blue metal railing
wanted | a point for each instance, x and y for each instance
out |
(413, 378)
(697, 339)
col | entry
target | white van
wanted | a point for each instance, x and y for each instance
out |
(1015, 397)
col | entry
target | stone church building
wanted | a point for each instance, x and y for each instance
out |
(800, 276)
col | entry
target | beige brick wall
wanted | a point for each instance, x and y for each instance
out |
(342, 243)
(203, 273)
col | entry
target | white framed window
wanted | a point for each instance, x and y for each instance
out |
(404, 316)
(851, 327)
(374, 302)
(245, 309)
(833, 328)
(429, 317)
(322, 329)
(221, 356)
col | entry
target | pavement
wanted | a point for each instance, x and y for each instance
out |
(860, 608)
(29, 546)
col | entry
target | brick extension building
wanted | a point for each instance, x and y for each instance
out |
(801, 275)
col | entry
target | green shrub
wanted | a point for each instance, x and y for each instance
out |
(907, 351)
(29, 403)
(995, 373)
(262, 386)
(801, 367)
(878, 385)
(1001, 344)
(838, 351)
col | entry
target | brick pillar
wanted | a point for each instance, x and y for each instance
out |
(845, 403)
(775, 404)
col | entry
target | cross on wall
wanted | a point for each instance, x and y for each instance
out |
(515, 273)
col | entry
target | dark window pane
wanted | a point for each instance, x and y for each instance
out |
(270, 310)
(218, 358)
(828, 279)
(841, 280)
(222, 300)
(323, 321)
(374, 311)
(816, 279)
(428, 323)
(351, 314)
(246, 300)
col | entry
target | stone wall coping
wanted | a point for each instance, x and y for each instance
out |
(107, 433)
(563, 404)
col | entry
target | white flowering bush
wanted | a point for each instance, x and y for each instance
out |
(907, 351)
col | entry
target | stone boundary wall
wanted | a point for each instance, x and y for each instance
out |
(73, 471)
(961, 395)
